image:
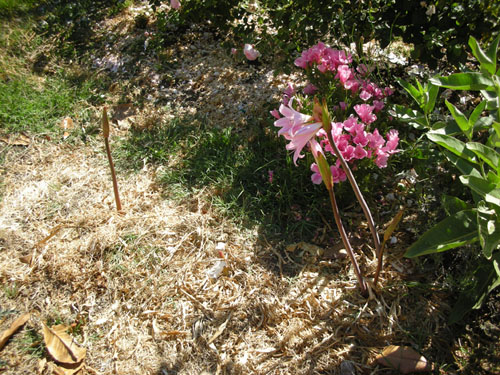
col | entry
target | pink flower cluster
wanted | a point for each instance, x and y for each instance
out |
(329, 60)
(326, 58)
(351, 137)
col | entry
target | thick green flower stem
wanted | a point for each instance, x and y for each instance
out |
(345, 240)
(359, 196)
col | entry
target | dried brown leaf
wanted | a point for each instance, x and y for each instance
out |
(27, 259)
(67, 124)
(19, 140)
(61, 346)
(16, 324)
(66, 369)
(404, 359)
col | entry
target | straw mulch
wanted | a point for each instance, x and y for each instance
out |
(143, 289)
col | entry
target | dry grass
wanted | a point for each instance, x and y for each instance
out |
(138, 288)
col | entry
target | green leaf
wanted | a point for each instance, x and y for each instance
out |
(476, 113)
(483, 187)
(431, 96)
(487, 154)
(412, 90)
(448, 128)
(484, 123)
(486, 279)
(456, 230)
(464, 81)
(452, 205)
(462, 165)
(410, 116)
(486, 63)
(452, 144)
(492, 50)
(460, 118)
(489, 229)
(493, 178)
(496, 126)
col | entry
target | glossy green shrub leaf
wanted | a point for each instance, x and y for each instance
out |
(486, 279)
(462, 165)
(456, 230)
(493, 49)
(461, 119)
(431, 96)
(452, 144)
(493, 178)
(464, 81)
(474, 117)
(447, 128)
(452, 205)
(410, 116)
(415, 93)
(486, 62)
(485, 153)
(489, 229)
(483, 187)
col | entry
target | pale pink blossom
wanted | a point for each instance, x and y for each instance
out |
(365, 95)
(364, 112)
(234, 51)
(291, 121)
(316, 176)
(300, 139)
(361, 138)
(270, 175)
(344, 73)
(176, 4)
(338, 175)
(381, 159)
(392, 142)
(250, 52)
(376, 140)
(360, 152)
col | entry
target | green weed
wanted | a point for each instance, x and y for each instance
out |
(31, 342)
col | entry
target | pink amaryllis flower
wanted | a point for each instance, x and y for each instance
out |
(176, 4)
(301, 138)
(250, 52)
(291, 121)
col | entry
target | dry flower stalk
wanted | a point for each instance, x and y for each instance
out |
(105, 133)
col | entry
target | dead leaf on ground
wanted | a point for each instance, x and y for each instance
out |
(67, 124)
(16, 324)
(404, 359)
(66, 369)
(27, 259)
(16, 140)
(122, 111)
(61, 346)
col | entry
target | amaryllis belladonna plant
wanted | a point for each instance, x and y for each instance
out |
(347, 138)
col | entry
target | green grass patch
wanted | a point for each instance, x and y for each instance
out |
(232, 170)
(9, 8)
(38, 108)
